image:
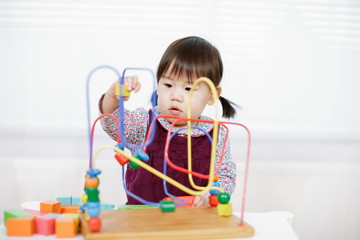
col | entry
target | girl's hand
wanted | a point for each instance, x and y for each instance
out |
(110, 101)
(201, 201)
(132, 84)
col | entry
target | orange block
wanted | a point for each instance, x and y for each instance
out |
(70, 208)
(51, 206)
(76, 218)
(65, 227)
(23, 226)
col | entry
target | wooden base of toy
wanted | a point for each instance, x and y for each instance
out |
(184, 223)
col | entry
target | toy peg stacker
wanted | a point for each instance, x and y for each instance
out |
(173, 221)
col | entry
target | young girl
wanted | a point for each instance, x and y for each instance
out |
(184, 61)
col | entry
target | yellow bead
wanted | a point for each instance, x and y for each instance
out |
(84, 198)
(224, 209)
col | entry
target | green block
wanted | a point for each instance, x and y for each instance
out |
(135, 207)
(167, 206)
(15, 213)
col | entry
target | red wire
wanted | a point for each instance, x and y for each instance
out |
(93, 127)
(166, 150)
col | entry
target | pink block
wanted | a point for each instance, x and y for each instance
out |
(45, 225)
(35, 212)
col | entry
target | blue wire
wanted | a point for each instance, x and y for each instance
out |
(165, 164)
(88, 103)
(154, 204)
(121, 111)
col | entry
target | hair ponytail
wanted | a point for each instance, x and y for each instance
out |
(228, 107)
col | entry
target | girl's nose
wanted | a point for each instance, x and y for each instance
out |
(176, 96)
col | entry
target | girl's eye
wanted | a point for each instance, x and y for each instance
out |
(168, 85)
(188, 89)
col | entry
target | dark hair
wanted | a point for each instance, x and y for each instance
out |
(195, 57)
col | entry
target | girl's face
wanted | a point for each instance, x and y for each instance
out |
(173, 97)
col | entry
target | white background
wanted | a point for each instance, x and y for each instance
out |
(293, 66)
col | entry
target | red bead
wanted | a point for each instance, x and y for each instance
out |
(94, 224)
(121, 159)
(213, 200)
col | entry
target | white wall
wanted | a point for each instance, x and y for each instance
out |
(291, 65)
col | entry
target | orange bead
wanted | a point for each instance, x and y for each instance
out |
(94, 224)
(213, 200)
(216, 178)
(92, 182)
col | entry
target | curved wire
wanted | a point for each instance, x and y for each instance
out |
(88, 102)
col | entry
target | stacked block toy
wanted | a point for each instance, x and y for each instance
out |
(53, 218)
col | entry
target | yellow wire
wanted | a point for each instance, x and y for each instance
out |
(215, 133)
(156, 172)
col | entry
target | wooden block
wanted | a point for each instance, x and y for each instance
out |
(45, 225)
(64, 199)
(15, 213)
(35, 212)
(184, 223)
(125, 92)
(56, 215)
(50, 206)
(64, 227)
(70, 208)
(76, 218)
(106, 206)
(23, 226)
(76, 200)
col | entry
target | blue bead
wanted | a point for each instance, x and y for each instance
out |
(120, 146)
(93, 208)
(82, 207)
(213, 191)
(93, 172)
(142, 155)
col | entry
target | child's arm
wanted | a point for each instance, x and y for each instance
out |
(110, 101)
(135, 121)
(227, 171)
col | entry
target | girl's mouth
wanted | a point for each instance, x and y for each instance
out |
(175, 111)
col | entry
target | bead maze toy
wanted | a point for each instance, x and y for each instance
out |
(164, 219)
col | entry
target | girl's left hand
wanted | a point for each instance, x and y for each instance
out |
(201, 201)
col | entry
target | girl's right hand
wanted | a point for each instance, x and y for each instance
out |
(110, 101)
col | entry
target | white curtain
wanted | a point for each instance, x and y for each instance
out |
(293, 66)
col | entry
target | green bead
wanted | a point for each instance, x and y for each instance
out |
(93, 194)
(167, 206)
(134, 165)
(223, 197)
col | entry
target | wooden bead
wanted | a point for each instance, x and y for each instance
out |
(213, 200)
(223, 198)
(94, 224)
(93, 194)
(214, 191)
(84, 198)
(121, 159)
(92, 182)
(142, 155)
(224, 209)
(134, 165)
(167, 206)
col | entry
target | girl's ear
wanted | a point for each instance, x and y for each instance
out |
(211, 99)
